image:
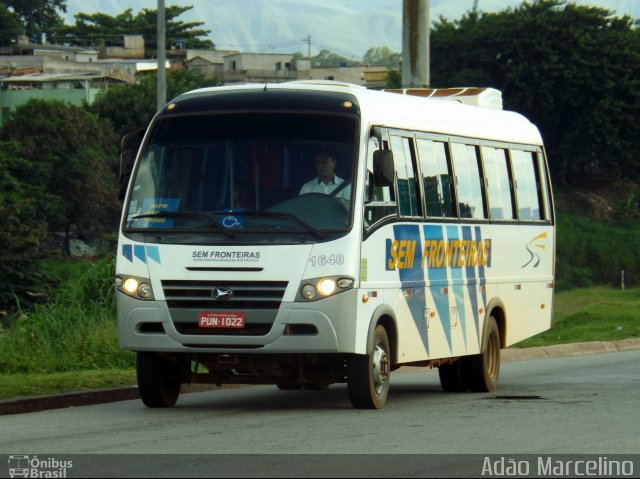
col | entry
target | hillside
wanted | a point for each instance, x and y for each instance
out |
(607, 201)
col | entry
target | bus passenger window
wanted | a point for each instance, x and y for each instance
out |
(524, 175)
(465, 163)
(408, 197)
(544, 188)
(436, 178)
(380, 200)
(498, 187)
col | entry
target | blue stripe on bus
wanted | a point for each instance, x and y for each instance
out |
(483, 281)
(127, 252)
(153, 253)
(438, 279)
(138, 251)
(413, 278)
(472, 279)
(481, 271)
(457, 283)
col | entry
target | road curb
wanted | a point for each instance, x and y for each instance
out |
(101, 396)
(561, 350)
(58, 401)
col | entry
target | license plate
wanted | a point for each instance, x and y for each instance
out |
(212, 319)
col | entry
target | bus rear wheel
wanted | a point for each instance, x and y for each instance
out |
(483, 370)
(158, 380)
(451, 377)
(368, 376)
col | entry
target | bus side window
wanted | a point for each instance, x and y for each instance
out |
(408, 196)
(545, 194)
(465, 164)
(436, 178)
(496, 172)
(526, 182)
(380, 201)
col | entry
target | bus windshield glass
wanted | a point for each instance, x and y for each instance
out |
(238, 172)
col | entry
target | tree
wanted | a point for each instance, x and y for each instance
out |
(394, 78)
(23, 211)
(382, 56)
(74, 160)
(37, 17)
(129, 107)
(98, 28)
(573, 70)
(10, 26)
(328, 59)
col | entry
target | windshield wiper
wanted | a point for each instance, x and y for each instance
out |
(275, 214)
(187, 214)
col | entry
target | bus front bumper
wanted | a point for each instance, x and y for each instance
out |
(327, 326)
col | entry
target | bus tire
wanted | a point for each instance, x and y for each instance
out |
(158, 380)
(451, 377)
(368, 375)
(483, 370)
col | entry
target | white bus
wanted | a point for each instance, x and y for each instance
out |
(424, 236)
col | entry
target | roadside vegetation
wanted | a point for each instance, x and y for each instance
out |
(71, 343)
(58, 329)
(593, 314)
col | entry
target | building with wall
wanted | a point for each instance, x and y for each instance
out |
(70, 74)
(369, 76)
(77, 74)
(264, 67)
(73, 88)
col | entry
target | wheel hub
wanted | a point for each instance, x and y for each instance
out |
(380, 368)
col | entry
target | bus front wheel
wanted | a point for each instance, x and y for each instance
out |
(158, 380)
(368, 375)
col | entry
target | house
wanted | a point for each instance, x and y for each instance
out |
(70, 74)
(209, 63)
(368, 76)
(264, 67)
(74, 88)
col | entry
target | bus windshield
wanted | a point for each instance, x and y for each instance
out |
(239, 172)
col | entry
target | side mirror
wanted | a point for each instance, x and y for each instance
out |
(129, 147)
(383, 169)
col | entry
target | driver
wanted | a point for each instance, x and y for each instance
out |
(327, 181)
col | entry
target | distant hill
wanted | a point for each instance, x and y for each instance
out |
(346, 28)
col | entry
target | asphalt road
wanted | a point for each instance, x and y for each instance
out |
(585, 404)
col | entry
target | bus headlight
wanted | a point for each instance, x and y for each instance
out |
(144, 291)
(326, 287)
(318, 288)
(130, 285)
(309, 292)
(139, 288)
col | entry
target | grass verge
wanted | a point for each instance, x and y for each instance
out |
(594, 314)
(74, 347)
(24, 385)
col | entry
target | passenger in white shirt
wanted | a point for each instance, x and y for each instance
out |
(327, 181)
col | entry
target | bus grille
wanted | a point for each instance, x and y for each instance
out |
(259, 300)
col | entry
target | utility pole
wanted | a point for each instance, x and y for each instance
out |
(308, 42)
(415, 44)
(161, 56)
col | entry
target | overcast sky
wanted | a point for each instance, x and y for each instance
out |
(347, 27)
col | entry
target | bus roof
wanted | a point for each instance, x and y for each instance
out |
(435, 114)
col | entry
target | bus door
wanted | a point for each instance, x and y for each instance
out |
(407, 247)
